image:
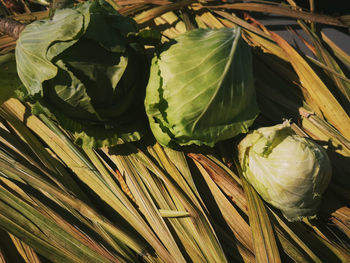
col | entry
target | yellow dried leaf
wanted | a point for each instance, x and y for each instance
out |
(320, 94)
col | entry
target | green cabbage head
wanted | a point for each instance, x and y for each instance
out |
(86, 69)
(289, 171)
(201, 88)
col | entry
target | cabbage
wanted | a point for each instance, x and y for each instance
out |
(86, 69)
(288, 171)
(9, 80)
(201, 89)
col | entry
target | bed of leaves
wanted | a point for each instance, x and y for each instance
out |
(141, 202)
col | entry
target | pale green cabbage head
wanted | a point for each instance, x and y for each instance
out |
(290, 172)
(201, 89)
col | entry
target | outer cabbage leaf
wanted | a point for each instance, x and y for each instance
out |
(88, 70)
(201, 89)
(289, 172)
(9, 81)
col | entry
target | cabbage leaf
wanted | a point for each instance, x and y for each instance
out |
(9, 80)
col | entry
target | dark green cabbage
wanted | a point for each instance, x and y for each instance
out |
(201, 89)
(88, 70)
(9, 81)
